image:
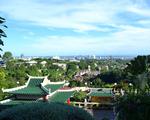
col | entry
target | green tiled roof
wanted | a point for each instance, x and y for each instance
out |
(16, 102)
(101, 94)
(30, 90)
(61, 96)
(53, 87)
(34, 87)
(35, 82)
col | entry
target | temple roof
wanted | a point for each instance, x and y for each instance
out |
(54, 87)
(101, 92)
(30, 90)
(61, 96)
(35, 82)
(40, 86)
(36, 86)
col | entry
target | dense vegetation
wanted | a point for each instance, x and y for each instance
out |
(79, 96)
(14, 73)
(111, 71)
(45, 111)
(133, 107)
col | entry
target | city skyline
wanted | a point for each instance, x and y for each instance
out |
(87, 27)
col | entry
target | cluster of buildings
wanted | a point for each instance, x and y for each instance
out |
(79, 76)
(77, 58)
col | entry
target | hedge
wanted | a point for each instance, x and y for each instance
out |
(45, 111)
(133, 107)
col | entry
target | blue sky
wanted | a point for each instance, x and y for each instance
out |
(76, 27)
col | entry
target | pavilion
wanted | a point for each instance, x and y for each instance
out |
(101, 95)
(38, 89)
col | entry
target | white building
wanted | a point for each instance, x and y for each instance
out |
(62, 65)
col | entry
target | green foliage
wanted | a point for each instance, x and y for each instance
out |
(33, 70)
(73, 83)
(133, 107)
(7, 56)
(79, 96)
(83, 65)
(138, 72)
(3, 83)
(2, 33)
(97, 83)
(141, 81)
(15, 73)
(45, 111)
(111, 76)
(108, 85)
(71, 70)
(76, 84)
(56, 73)
(139, 65)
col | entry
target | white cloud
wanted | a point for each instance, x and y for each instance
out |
(82, 16)
(131, 40)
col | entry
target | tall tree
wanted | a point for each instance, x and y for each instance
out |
(138, 71)
(2, 33)
(139, 65)
(7, 56)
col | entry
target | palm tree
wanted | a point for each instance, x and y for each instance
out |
(142, 81)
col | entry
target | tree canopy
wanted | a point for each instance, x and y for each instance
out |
(7, 56)
(138, 71)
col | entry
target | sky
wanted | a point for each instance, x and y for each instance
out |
(76, 27)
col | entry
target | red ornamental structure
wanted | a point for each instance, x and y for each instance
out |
(68, 101)
(46, 98)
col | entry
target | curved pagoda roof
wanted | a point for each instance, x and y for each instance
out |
(36, 86)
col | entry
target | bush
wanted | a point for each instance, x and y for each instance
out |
(79, 96)
(45, 111)
(133, 107)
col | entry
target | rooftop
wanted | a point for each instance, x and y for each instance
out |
(54, 87)
(36, 86)
(61, 96)
(101, 92)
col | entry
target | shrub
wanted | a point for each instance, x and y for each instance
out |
(133, 107)
(79, 96)
(45, 111)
